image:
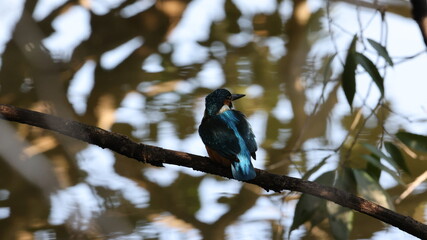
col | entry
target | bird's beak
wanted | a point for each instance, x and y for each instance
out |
(236, 96)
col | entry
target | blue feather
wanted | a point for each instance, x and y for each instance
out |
(243, 169)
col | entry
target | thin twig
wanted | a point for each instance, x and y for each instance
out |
(411, 187)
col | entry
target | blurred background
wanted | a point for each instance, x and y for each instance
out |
(142, 68)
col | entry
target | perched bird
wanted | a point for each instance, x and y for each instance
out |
(227, 135)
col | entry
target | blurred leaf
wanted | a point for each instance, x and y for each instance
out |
(340, 220)
(327, 69)
(381, 50)
(310, 207)
(414, 141)
(369, 189)
(373, 170)
(374, 150)
(376, 162)
(345, 180)
(348, 78)
(314, 169)
(371, 69)
(397, 156)
(378, 153)
(306, 207)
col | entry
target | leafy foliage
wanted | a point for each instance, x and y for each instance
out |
(372, 70)
(310, 208)
(396, 160)
(354, 59)
(340, 219)
(382, 51)
(348, 78)
(414, 141)
(375, 161)
(368, 188)
(397, 156)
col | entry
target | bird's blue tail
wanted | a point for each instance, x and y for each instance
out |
(243, 170)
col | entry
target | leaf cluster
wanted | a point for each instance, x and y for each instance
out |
(354, 59)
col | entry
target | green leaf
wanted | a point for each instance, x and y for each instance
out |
(340, 220)
(378, 153)
(397, 156)
(373, 170)
(414, 141)
(311, 208)
(375, 161)
(381, 50)
(305, 209)
(374, 150)
(348, 78)
(371, 69)
(369, 189)
(345, 180)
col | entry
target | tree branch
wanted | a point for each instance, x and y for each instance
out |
(419, 14)
(158, 156)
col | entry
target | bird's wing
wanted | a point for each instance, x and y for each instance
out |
(245, 131)
(216, 135)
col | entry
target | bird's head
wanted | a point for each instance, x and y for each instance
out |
(220, 101)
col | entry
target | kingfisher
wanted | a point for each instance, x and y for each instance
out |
(227, 135)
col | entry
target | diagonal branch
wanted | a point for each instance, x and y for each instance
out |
(419, 14)
(158, 156)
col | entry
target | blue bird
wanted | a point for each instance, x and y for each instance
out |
(227, 135)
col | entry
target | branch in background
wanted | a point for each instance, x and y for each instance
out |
(419, 13)
(158, 156)
(411, 187)
(400, 8)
